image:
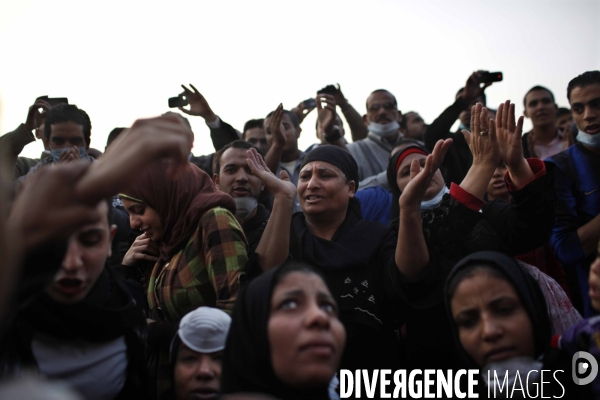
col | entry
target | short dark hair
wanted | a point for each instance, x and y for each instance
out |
(237, 144)
(405, 118)
(483, 97)
(113, 135)
(563, 111)
(293, 118)
(253, 123)
(379, 91)
(585, 79)
(534, 89)
(68, 113)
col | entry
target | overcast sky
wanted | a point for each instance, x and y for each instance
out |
(121, 60)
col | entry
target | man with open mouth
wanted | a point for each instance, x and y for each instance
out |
(84, 328)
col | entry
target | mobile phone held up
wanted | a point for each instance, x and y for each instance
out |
(55, 100)
(489, 77)
(309, 103)
(179, 101)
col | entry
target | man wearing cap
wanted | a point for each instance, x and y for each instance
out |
(196, 352)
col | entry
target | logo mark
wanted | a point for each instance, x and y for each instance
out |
(589, 365)
(590, 192)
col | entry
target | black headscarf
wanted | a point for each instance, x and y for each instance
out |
(344, 161)
(247, 363)
(391, 178)
(527, 289)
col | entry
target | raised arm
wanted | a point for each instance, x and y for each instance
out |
(511, 147)
(486, 153)
(358, 129)
(326, 117)
(148, 139)
(13, 142)
(221, 132)
(412, 254)
(440, 127)
(273, 248)
(273, 156)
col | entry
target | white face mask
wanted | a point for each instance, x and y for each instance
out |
(384, 130)
(589, 140)
(244, 207)
(431, 204)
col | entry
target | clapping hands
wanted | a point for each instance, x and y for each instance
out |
(412, 196)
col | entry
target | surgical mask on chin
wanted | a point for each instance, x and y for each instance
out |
(56, 153)
(244, 207)
(509, 368)
(589, 140)
(431, 204)
(384, 130)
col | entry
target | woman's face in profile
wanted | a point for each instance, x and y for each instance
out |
(305, 335)
(492, 323)
(144, 218)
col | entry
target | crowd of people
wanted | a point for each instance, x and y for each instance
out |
(260, 271)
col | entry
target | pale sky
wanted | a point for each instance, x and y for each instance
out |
(121, 60)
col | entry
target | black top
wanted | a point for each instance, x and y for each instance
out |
(255, 226)
(358, 266)
(247, 365)
(458, 159)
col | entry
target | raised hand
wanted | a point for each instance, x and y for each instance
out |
(35, 117)
(70, 155)
(34, 222)
(278, 187)
(275, 127)
(198, 105)
(301, 111)
(339, 96)
(420, 179)
(482, 138)
(143, 248)
(326, 112)
(509, 135)
(510, 145)
(146, 140)
(473, 88)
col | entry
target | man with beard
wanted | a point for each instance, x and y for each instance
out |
(577, 226)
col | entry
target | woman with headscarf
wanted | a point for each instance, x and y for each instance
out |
(454, 223)
(285, 338)
(500, 325)
(358, 258)
(198, 245)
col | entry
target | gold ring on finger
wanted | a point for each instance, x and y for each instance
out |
(484, 132)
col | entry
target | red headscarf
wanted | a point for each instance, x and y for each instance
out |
(179, 202)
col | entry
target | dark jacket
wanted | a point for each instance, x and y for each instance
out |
(16, 353)
(458, 159)
(220, 136)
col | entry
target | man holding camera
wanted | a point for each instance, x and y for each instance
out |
(458, 160)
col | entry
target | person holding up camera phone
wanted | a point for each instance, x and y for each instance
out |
(459, 158)
(221, 132)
